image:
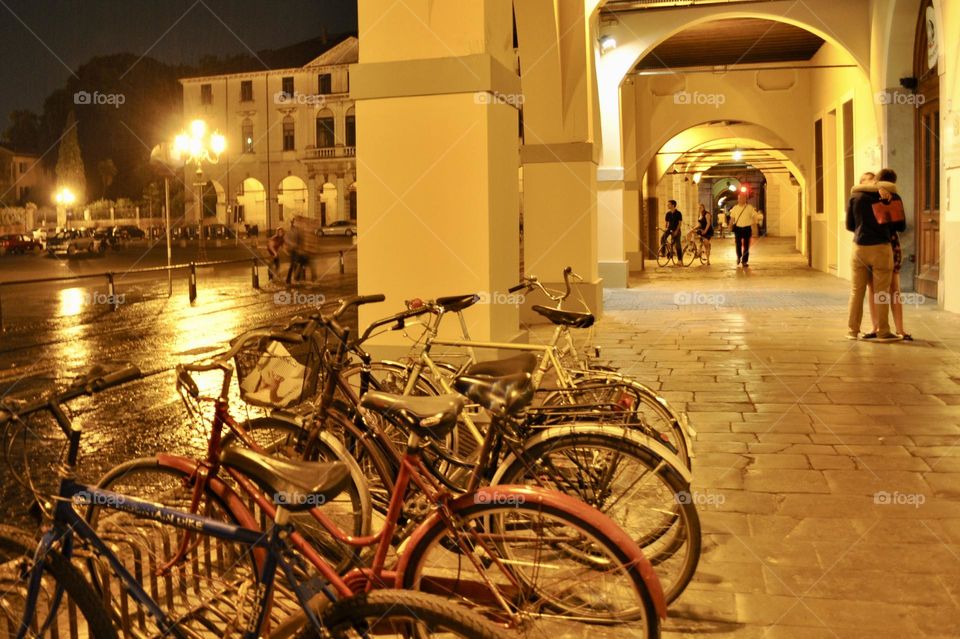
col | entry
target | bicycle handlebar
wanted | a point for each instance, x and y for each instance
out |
(531, 282)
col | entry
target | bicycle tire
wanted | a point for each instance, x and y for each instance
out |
(81, 612)
(409, 614)
(214, 568)
(654, 508)
(351, 510)
(651, 413)
(663, 256)
(433, 559)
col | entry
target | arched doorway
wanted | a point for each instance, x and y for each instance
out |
(927, 145)
(352, 201)
(328, 204)
(214, 203)
(252, 203)
(292, 198)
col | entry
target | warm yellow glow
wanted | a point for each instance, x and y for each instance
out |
(64, 197)
(198, 128)
(607, 43)
(697, 177)
(733, 187)
(738, 155)
(218, 143)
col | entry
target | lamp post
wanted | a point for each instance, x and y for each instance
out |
(196, 146)
(64, 199)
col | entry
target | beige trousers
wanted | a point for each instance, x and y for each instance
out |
(876, 259)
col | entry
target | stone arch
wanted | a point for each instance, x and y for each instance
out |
(215, 201)
(292, 197)
(253, 202)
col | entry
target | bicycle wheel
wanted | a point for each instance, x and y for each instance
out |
(400, 613)
(664, 255)
(548, 565)
(626, 402)
(78, 610)
(630, 484)
(688, 253)
(209, 589)
(351, 510)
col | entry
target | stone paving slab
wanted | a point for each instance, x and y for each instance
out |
(835, 465)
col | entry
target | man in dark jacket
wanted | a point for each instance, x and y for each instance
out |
(872, 255)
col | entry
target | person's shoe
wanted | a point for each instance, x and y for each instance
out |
(870, 335)
(907, 337)
(852, 335)
(889, 337)
(738, 261)
(745, 265)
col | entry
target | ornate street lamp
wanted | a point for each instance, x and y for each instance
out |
(64, 199)
(196, 146)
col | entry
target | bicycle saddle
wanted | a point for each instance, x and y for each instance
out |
(454, 303)
(295, 485)
(431, 416)
(501, 385)
(566, 318)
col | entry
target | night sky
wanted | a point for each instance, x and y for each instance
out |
(42, 40)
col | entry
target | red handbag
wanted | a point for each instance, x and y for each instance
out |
(887, 212)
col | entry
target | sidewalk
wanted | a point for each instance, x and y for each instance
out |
(828, 471)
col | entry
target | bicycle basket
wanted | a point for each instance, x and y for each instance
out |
(274, 374)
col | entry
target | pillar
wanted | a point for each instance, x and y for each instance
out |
(439, 151)
(341, 198)
(312, 212)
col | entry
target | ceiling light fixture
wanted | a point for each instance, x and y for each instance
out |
(607, 43)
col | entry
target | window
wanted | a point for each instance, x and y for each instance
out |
(347, 75)
(206, 94)
(23, 167)
(246, 91)
(246, 136)
(351, 131)
(289, 143)
(325, 132)
(818, 162)
(287, 87)
(324, 84)
(847, 146)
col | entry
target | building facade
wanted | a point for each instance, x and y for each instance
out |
(291, 135)
(22, 178)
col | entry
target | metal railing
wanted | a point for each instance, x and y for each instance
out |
(191, 267)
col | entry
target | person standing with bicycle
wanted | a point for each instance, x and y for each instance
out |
(672, 221)
(742, 218)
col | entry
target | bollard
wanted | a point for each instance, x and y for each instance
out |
(341, 263)
(192, 285)
(255, 275)
(111, 292)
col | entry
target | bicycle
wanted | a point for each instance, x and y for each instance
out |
(670, 250)
(693, 248)
(33, 604)
(498, 583)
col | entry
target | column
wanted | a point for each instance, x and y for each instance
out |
(341, 198)
(437, 155)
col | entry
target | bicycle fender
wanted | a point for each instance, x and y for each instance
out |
(508, 494)
(617, 432)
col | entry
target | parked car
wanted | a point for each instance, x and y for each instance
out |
(346, 228)
(41, 234)
(129, 232)
(18, 243)
(69, 242)
(108, 237)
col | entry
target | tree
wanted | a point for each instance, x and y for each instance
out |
(108, 171)
(70, 171)
(23, 133)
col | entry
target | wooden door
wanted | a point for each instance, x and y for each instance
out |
(927, 136)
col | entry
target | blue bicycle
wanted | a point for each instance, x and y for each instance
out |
(44, 594)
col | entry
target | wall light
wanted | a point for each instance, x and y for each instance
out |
(737, 155)
(733, 187)
(743, 189)
(697, 177)
(607, 43)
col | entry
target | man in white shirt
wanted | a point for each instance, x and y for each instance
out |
(742, 218)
